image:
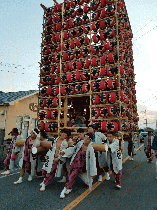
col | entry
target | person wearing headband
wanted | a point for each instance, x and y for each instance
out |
(83, 163)
(27, 162)
(114, 157)
(41, 155)
(9, 161)
(54, 160)
(101, 158)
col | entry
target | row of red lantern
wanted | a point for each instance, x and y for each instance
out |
(70, 5)
(102, 24)
(79, 76)
(112, 111)
(94, 49)
(49, 102)
(73, 33)
(111, 98)
(104, 126)
(69, 89)
(115, 126)
(111, 58)
(49, 127)
(48, 114)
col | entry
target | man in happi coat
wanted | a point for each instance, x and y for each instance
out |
(101, 158)
(83, 163)
(9, 161)
(28, 160)
(114, 158)
(54, 160)
(41, 155)
(148, 140)
(66, 166)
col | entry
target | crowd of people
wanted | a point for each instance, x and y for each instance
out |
(68, 159)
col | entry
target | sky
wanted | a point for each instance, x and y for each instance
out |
(20, 40)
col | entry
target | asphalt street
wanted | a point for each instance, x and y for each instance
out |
(139, 191)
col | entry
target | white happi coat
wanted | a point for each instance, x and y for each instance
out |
(50, 157)
(15, 149)
(102, 156)
(33, 162)
(134, 138)
(146, 144)
(91, 169)
(115, 154)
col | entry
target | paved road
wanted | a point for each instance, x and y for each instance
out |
(139, 191)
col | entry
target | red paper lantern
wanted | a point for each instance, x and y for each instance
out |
(84, 75)
(86, 29)
(95, 86)
(102, 48)
(112, 111)
(95, 99)
(96, 38)
(95, 112)
(55, 102)
(76, 76)
(42, 103)
(104, 125)
(102, 24)
(49, 102)
(102, 85)
(64, 78)
(103, 98)
(70, 77)
(102, 60)
(86, 63)
(72, 65)
(95, 26)
(43, 91)
(94, 62)
(112, 97)
(110, 58)
(102, 72)
(94, 73)
(55, 90)
(102, 14)
(48, 127)
(41, 126)
(95, 15)
(43, 80)
(110, 71)
(78, 88)
(110, 84)
(41, 115)
(104, 112)
(113, 126)
(79, 65)
(48, 114)
(65, 67)
(71, 90)
(53, 114)
(65, 25)
(56, 80)
(65, 46)
(49, 91)
(64, 90)
(85, 87)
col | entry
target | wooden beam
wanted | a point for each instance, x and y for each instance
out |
(45, 8)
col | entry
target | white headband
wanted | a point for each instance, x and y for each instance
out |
(34, 132)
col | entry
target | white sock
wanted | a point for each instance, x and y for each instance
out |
(20, 179)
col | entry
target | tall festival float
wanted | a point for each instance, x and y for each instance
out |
(86, 50)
